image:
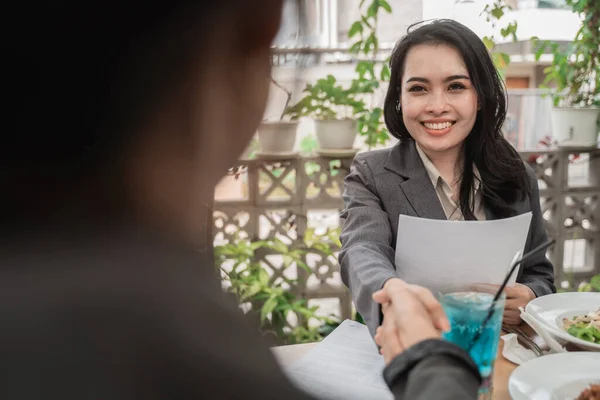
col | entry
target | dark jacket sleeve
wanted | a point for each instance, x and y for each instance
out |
(538, 273)
(367, 255)
(125, 333)
(433, 369)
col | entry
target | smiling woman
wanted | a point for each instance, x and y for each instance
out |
(438, 103)
(446, 103)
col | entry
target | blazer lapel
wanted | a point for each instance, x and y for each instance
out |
(404, 160)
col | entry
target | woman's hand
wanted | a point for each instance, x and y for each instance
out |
(411, 315)
(516, 296)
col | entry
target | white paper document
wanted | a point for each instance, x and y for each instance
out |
(438, 254)
(345, 365)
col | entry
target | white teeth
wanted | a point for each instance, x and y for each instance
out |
(437, 126)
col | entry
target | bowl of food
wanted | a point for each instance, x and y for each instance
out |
(590, 393)
(580, 327)
(560, 376)
(582, 324)
(571, 317)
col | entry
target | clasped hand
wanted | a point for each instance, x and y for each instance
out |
(412, 314)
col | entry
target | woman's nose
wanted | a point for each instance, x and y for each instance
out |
(437, 104)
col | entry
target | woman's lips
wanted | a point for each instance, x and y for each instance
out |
(438, 128)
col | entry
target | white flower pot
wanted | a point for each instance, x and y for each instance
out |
(277, 137)
(336, 134)
(575, 126)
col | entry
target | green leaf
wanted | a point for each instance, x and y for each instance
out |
(356, 27)
(279, 247)
(540, 50)
(595, 282)
(385, 74)
(362, 67)
(309, 235)
(497, 12)
(368, 44)
(258, 244)
(251, 292)
(385, 5)
(355, 48)
(372, 10)
(585, 287)
(306, 313)
(489, 42)
(308, 144)
(366, 22)
(304, 266)
(513, 31)
(375, 43)
(263, 277)
(268, 307)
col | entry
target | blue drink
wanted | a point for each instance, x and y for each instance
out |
(467, 311)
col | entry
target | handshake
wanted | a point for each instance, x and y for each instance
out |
(412, 314)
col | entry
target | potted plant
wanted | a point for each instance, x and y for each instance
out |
(335, 111)
(267, 301)
(277, 138)
(592, 286)
(575, 73)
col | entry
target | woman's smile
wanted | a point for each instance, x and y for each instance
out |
(438, 128)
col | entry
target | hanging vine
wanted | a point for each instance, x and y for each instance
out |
(493, 13)
(370, 71)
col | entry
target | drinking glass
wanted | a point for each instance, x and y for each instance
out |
(467, 308)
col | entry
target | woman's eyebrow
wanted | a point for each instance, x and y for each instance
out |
(448, 79)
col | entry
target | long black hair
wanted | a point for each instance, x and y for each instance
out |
(503, 174)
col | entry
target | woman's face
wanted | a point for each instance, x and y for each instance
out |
(438, 100)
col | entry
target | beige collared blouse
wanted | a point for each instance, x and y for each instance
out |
(444, 191)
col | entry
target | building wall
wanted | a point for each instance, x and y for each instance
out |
(558, 24)
(547, 24)
(391, 26)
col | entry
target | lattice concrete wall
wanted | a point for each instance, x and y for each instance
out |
(278, 197)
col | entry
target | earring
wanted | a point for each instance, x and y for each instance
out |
(398, 106)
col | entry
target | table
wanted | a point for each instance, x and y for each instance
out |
(502, 368)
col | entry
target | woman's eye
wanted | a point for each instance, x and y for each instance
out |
(456, 86)
(416, 88)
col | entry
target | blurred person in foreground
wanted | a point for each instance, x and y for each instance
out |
(121, 119)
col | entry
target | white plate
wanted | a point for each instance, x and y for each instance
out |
(551, 308)
(559, 376)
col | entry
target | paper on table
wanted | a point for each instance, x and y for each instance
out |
(439, 253)
(345, 365)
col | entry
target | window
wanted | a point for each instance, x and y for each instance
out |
(307, 23)
(556, 4)
(552, 4)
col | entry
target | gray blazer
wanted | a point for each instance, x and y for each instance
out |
(383, 184)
